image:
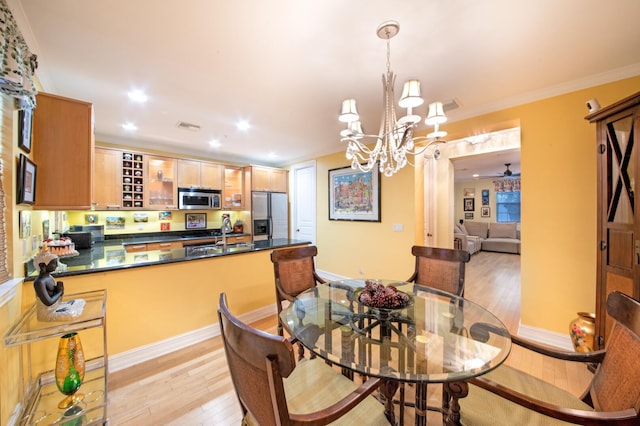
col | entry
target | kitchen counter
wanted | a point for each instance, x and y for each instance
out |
(111, 255)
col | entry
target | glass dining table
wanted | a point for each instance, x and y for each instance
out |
(436, 337)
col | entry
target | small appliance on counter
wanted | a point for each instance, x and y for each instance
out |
(96, 231)
(81, 239)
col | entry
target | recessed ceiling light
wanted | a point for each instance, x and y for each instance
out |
(272, 155)
(214, 143)
(129, 126)
(475, 175)
(138, 96)
(243, 125)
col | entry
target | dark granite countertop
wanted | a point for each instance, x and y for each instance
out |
(111, 255)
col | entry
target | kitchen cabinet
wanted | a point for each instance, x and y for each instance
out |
(239, 239)
(199, 174)
(34, 338)
(268, 179)
(161, 179)
(133, 185)
(134, 248)
(211, 175)
(233, 188)
(106, 179)
(63, 149)
(165, 245)
(188, 173)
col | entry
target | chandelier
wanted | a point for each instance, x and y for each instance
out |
(395, 139)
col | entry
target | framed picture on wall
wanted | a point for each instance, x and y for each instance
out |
(354, 195)
(485, 212)
(195, 220)
(468, 215)
(469, 204)
(485, 197)
(25, 119)
(26, 181)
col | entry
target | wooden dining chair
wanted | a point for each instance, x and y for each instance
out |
(440, 268)
(294, 272)
(509, 396)
(273, 390)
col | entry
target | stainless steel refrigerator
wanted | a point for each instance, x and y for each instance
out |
(270, 215)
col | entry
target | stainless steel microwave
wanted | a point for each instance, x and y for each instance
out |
(199, 199)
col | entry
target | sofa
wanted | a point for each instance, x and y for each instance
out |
(486, 236)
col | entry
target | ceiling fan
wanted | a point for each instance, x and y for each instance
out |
(507, 173)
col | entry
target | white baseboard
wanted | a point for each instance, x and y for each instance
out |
(328, 276)
(145, 353)
(559, 340)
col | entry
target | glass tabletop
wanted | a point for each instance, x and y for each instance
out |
(436, 337)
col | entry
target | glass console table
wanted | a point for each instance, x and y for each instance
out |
(39, 405)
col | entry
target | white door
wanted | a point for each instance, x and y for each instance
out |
(303, 201)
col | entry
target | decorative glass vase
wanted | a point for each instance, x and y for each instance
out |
(582, 331)
(70, 369)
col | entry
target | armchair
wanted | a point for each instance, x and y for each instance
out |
(613, 396)
(273, 390)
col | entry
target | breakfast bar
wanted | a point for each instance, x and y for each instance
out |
(160, 300)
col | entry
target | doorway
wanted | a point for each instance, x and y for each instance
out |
(439, 180)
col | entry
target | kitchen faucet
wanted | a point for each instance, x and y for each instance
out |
(226, 227)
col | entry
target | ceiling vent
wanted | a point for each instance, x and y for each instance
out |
(450, 104)
(188, 126)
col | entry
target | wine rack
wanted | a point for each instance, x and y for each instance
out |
(133, 185)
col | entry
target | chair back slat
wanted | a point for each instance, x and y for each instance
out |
(257, 362)
(616, 383)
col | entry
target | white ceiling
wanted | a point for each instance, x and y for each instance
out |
(286, 66)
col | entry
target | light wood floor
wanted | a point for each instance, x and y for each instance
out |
(193, 387)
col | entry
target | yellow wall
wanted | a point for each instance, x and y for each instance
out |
(558, 167)
(349, 248)
(149, 304)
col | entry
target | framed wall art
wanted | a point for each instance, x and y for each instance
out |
(468, 215)
(195, 220)
(469, 204)
(354, 195)
(25, 120)
(485, 197)
(485, 211)
(26, 181)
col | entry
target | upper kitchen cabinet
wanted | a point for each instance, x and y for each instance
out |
(63, 149)
(268, 179)
(200, 174)
(107, 193)
(211, 175)
(233, 188)
(161, 180)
